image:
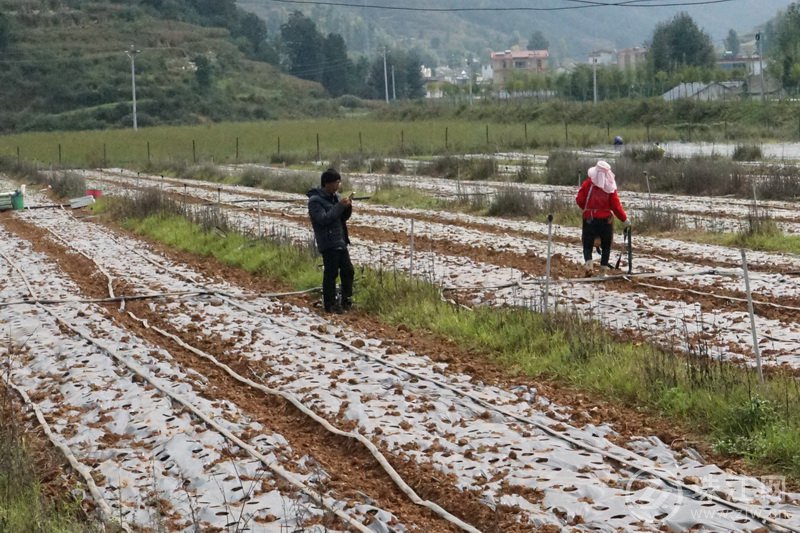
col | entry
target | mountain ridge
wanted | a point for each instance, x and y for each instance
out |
(572, 33)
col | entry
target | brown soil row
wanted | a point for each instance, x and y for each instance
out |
(351, 467)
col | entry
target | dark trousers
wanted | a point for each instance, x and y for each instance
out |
(603, 229)
(336, 263)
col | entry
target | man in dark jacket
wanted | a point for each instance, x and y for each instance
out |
(329, 213)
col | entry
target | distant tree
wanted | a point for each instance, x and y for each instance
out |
(337, 67)
(786, 48)
(408, 82)
(302, 44)
(679, 43)
(732, 42)
(254, 31)
(216, 12)
(415, 85)
(5, 31)
(538, 41)
(203, 74)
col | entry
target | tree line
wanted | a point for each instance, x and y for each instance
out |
(678, 52)
(301, 50)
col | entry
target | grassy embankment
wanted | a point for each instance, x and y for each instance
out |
(706, 397)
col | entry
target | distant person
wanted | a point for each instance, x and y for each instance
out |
(599, 200)
(329, 212)
(618, 141)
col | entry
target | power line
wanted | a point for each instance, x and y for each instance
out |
(574, 4)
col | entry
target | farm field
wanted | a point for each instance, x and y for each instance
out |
(216, 402)
(686, 293)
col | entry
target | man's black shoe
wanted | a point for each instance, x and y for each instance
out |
(335, 309)
(347, 305)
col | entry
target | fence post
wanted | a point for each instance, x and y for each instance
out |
(547, 266)
(279, 145)
(360, 143)
(19, 160)
(566, 133)
(148, 152)
(446, 143)
(402, 141)
(752, 316)
(258, 208)
(526, 133)
(194, 151)
(318, 157)
(59, 154)
(105, 158)
(219, 195)
(237, 150)
(411, 260)
(487, 135)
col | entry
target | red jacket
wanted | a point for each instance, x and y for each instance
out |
(601, 203)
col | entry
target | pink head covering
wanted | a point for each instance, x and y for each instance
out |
(602, 177)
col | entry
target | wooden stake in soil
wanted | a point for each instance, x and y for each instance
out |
(752, 316)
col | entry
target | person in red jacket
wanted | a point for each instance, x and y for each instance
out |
(600, 203)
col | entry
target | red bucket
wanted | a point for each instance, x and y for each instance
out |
(94, 193)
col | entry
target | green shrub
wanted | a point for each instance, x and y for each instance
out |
(644, 154)
(566, 168)
(747, 152)
(396, 166)
(68, 185)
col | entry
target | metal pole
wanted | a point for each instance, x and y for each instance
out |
(258, 208)
(411, 262)
(594, 78)
(132, 55)
(394, 89)
(385, 76)
(760, 63)
(630, 250)
(752, 316)
(649, 196)
(547, 267)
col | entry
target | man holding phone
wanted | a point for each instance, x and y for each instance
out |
(329, 213)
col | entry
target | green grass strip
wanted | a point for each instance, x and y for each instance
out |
(23, 508)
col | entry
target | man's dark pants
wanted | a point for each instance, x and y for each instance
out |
(337, 263)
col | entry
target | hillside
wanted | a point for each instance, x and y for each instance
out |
(63, 66)
(449, 36)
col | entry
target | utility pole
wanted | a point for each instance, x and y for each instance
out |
(132, 54)
(385, 76)
(394, 90)
(760, 62)
(594, 77)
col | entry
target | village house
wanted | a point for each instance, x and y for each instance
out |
(519, 61)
